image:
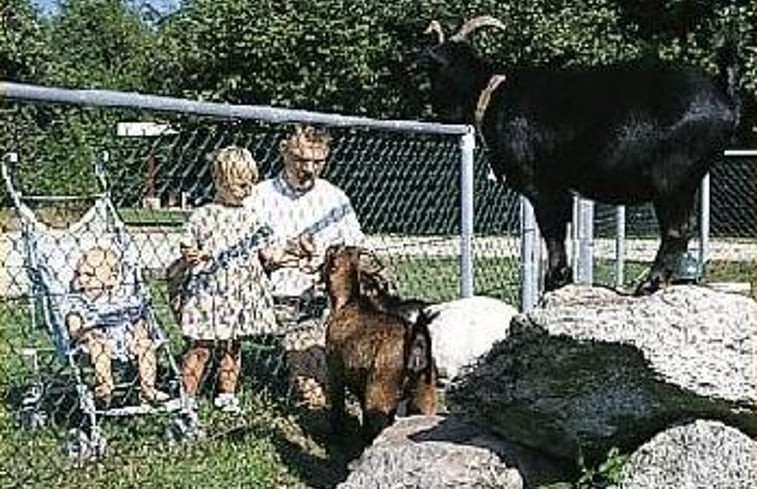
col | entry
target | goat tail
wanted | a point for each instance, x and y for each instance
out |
(727, 60)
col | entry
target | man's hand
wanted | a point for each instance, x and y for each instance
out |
(274, 257)
(296, 253)
(193, 256)
(306, 245)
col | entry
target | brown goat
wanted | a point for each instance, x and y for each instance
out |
(380, 357)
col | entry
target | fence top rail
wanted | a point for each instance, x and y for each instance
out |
(109, 98)
(748, 153)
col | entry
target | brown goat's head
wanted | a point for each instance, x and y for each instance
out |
(457, 72)
(343, 266)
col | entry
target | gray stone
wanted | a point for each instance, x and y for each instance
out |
(593, 369)
(699, 455)
(431, 452)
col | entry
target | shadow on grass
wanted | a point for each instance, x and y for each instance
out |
(326, 469)
(302, 437)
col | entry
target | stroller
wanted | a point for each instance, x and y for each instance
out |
(50, 259)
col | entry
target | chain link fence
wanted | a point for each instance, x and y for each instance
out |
(405, 186)
(723, 228)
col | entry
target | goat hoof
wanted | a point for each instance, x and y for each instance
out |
(649, 286)
(558, 277)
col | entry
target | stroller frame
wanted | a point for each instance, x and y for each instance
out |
(88, 441)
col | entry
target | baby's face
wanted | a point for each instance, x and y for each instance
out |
(97, 271)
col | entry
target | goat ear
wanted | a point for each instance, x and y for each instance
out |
(369, 263)
(437, 56)
(330, 252)
(367, 282)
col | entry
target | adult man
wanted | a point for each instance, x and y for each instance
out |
(307, 215)
(306, 212)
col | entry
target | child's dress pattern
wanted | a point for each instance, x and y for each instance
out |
(228, 296)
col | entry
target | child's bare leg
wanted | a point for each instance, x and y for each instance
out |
(231, 365)
(99, 349)
(143, 348)
(100, 353)
(193, 366)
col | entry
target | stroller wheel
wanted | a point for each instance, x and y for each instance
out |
(98, 442)
(33, 419)
(82, 447)
(77, 446)
(182, 429)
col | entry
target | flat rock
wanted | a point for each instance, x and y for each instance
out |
(592, 369)
(702, 454)
(438, 452)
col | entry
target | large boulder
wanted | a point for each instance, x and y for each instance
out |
(593, 369)
(696, 455)
(464, 329)
(437, 452)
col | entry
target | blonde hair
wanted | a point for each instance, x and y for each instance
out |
(305, 136)
(232, 164)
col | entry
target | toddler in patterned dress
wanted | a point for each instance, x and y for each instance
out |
(226, 296)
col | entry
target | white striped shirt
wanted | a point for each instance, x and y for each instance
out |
(324, 212)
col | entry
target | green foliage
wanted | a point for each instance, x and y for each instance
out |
(23, 47)
(292, 53)
(100, 44)
(366, 58)
(606, 474)
(356, 57)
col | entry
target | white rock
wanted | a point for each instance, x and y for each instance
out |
(464, 329)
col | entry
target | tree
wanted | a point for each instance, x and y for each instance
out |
(362, 56)
(100, 44)
(331, 55)
(23, 50)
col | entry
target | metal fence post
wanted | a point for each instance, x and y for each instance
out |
(585, 268)
(574, 220)
(620, 245)
(468, 144)
(530, 251)
(704, 220)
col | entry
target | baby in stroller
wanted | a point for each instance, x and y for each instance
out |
(110, 325)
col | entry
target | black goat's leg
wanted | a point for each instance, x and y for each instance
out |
(674, 217)
(553, 215)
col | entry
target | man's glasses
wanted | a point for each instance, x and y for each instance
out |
(315, 161)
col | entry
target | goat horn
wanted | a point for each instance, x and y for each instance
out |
(473, 24)
(434, 27)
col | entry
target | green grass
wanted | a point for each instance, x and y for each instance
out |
(242, 454)
(156, 217)
(438, 279)
(61, 216)
(271, 445)
(714, 271)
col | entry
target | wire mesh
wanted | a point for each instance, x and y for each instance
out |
(731, 241)
(405, 189)
(732, 253)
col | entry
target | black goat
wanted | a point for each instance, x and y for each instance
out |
(620, 134)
